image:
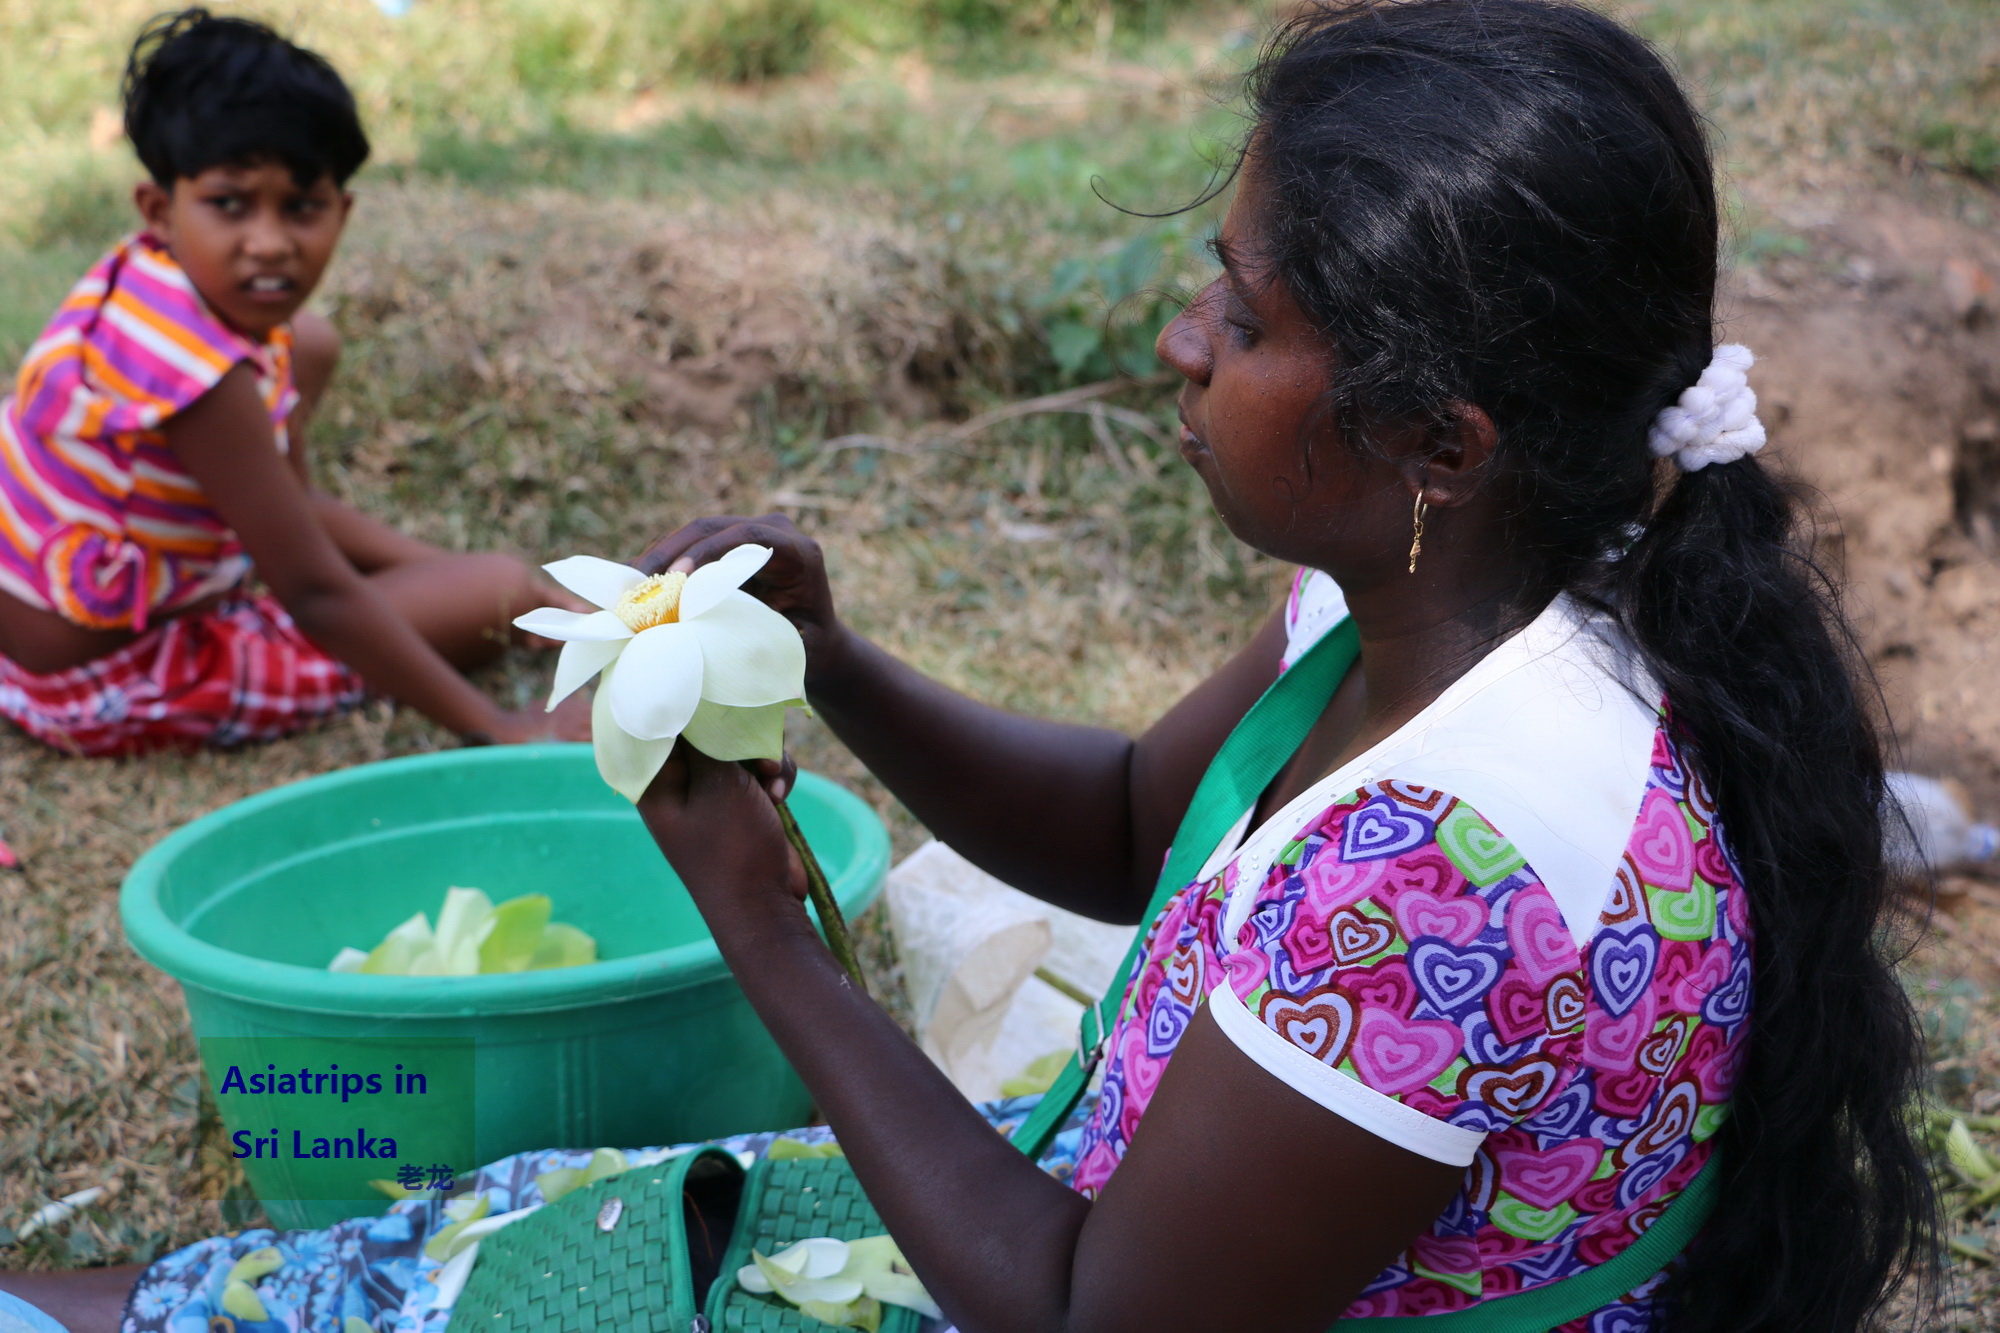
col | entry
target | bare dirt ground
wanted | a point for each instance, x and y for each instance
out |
(1879, 377)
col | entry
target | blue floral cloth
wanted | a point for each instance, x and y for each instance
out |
(373, 1269)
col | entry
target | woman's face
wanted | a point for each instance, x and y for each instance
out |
(1251, 416)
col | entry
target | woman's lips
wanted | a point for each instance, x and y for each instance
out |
(1191, 443)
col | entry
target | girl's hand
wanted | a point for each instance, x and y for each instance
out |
(569, 722)
(793, 583)
(715, 824)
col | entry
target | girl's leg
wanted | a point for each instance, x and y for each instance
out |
(465, 603)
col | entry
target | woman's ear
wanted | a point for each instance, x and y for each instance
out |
(1461, 446)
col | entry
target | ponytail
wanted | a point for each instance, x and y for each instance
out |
(1827, 1200)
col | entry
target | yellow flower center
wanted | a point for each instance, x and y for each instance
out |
(655, 600)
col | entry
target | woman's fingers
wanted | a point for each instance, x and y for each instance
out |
(670, 548)
(776, 775)
(772, 530)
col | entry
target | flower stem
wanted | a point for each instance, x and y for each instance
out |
(830, 919)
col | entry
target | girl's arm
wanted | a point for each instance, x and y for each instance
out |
(1240, 1204)
(1079, 816)
(225, 441)
(369, 543)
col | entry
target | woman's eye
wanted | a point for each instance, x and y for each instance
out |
(1241, 327)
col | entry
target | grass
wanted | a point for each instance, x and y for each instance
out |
(605, 279)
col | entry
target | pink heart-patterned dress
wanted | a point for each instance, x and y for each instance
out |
(1395, 955)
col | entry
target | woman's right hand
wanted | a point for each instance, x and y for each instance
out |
(793, 583)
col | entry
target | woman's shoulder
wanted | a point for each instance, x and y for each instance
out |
(1404, 942)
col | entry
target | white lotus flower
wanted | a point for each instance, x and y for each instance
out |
(680, 655)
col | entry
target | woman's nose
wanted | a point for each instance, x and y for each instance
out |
(1184, 345)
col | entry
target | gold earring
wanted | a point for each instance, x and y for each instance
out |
(1417, 530)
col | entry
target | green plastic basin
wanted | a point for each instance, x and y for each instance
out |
(654, 1044)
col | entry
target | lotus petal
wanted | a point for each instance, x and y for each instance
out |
(797, 1289)
(555, 623)
(563, 945)
(579, 660)
(656, 683)
(400, 948)
(257, 1265)
(625, 762)
(240, 1300)
(464, 922)
(887, 1276)
(598, 581)
(751, 655)
(517, 933)
(714, 581)
(737, 733)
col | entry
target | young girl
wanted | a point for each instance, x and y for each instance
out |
(151, 453)
(1564, 911)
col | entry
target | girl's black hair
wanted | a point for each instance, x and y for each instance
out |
(202, 91)
(1511, 203)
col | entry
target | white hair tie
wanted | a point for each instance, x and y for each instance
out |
(1716, 420)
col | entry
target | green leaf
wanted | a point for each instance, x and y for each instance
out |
(1966, 1155)
(1072, 344)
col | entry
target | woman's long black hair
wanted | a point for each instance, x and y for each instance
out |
(1511, 203)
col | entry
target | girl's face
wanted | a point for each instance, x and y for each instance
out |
(1257, 374)
(252, 240)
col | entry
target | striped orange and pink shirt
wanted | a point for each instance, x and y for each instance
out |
(99, 522)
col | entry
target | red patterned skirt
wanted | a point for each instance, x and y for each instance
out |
(241, 672)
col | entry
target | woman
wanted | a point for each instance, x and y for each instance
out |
(1577, 879)
(1569, 897)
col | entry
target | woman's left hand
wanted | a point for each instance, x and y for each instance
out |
(715, 822)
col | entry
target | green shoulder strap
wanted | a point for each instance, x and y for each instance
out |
(1267, 737)
(1554, 1304)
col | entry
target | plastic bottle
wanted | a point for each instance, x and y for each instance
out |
(1940, 831)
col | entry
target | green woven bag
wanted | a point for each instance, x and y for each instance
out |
(632, 1253)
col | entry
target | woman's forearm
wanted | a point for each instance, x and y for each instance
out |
(992, 1235)
(1045, 806)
